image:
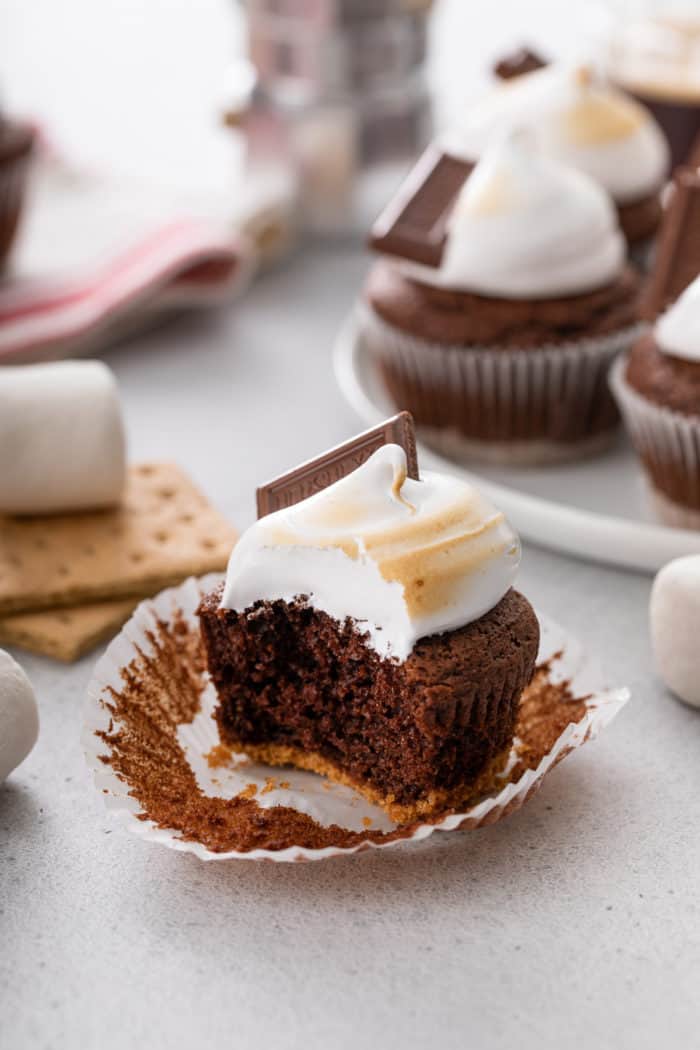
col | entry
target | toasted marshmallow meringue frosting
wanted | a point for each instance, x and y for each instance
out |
(402, 558)
(677, 331)
(578, 119)
(526, 226)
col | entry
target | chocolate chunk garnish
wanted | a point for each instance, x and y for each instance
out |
(678, 247)
(414, 225)
(518, 62)
(317, 474)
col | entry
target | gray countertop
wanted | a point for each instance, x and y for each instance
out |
(574, 923)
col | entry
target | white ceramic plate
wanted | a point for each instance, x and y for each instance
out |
(595, 509)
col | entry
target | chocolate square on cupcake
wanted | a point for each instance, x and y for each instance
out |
(371, 633)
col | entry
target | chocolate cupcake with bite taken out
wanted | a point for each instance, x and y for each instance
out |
(370, 633)
(495, 309)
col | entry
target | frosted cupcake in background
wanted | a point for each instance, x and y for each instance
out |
(576, 117)
(658, 390)
(501, 351)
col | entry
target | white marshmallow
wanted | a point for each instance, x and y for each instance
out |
(675, 627)
(19, 718)
(62, 444)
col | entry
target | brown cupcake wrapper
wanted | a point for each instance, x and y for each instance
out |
(668, 445)
(13, 179)
(491, 404)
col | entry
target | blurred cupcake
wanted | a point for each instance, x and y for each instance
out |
(579, 119)
(657, 387)
(16, 141)
(501, 351)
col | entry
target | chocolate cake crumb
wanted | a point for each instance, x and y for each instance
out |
(219, 755)
(296, 687)
(162, 689)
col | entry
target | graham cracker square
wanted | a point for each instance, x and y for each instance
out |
(164, 531)
(66, 634)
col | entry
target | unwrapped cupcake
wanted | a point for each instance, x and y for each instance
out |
(658, 390)
(586, 123)
(499, 343)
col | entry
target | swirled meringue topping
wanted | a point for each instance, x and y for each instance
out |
(677, 331)
(526, 226)
(402, 558)
(578, 119)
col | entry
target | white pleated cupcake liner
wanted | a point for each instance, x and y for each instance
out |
(543, 388)
(313, 795)
(663, 436)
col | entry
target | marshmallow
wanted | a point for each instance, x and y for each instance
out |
(675, 627)
(19, 718)
(62, 444)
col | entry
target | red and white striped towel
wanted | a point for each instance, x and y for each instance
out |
(98, 257)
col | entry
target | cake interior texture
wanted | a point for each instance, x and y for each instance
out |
(297, 687)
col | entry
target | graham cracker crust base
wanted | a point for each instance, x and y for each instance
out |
(437, 801)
